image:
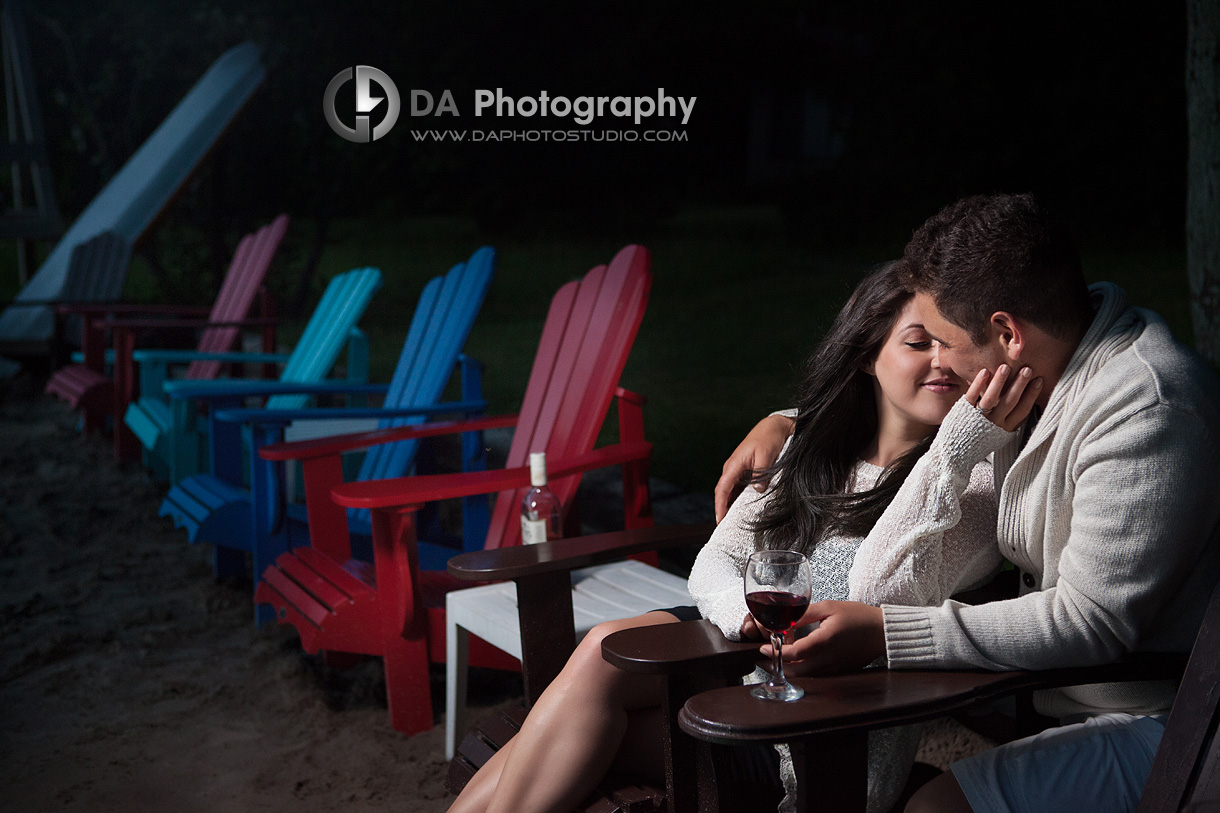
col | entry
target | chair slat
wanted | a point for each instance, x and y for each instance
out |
(246, 273)
(442, 321)
(297, 597)
(338, 575)
(342, 304)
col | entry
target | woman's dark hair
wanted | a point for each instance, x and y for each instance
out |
(836, 421)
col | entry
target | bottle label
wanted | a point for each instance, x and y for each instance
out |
(533, 531)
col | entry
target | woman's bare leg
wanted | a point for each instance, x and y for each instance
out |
(572, 734)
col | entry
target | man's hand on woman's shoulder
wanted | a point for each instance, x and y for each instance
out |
(759, 450)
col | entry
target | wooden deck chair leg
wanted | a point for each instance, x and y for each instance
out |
(457, 661)
(637, 499)
(548, 630)
(268, 533)
(404, 621)
(126, 445)
(476, 509)
(408, 692)
(681, 752)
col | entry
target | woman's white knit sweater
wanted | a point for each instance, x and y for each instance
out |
(936, 538)
(1109, 510)
(933, 540)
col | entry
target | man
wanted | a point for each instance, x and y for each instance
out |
(1107, 504)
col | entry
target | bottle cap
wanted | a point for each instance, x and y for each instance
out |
(537, 468)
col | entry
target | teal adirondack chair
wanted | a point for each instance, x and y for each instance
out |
(217, 508)
(166, 417)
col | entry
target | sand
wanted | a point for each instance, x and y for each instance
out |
(131, 680)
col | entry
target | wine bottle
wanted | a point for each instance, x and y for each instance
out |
(540, 516)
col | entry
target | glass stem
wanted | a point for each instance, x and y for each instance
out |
(777, 663)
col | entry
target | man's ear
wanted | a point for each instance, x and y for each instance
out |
(1010, 332)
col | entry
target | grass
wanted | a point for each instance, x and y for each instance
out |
(1153, 277)
(728, 321)
(733, 311)
(734, 308)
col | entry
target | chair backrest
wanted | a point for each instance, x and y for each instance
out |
(443, 318)
(342, 304)
(96, 273)
(1186, 768)
(588, 334)
(237, 292)
(98, 269)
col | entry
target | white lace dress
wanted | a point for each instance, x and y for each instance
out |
(936, 538)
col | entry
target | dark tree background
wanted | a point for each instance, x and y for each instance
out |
(1203, 175)
(854, 121)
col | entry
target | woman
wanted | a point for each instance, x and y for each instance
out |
(882, 510)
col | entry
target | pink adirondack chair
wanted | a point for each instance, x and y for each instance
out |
(86, 386)
(395, 610)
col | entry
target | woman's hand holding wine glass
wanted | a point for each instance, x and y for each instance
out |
(777, 585)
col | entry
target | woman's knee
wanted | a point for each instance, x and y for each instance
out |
(587, 660)
(589, 651)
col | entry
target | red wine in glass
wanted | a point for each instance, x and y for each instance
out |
(777, 589)
(776, 611)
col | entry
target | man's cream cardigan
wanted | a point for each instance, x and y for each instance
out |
(1110, 511)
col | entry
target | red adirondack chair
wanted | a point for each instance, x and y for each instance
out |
(87, 386)
(393, 609)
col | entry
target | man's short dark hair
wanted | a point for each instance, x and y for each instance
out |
(991, 253)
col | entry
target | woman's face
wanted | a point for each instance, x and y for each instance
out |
(912, 387)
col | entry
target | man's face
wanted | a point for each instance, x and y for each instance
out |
(957, 354)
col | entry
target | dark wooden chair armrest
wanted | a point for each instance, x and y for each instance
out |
(878, 698)
(688, 648)
(563, 555)
(827, 728)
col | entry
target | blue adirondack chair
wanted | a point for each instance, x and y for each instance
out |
(218, 509)
(166, 417)
(148, 180)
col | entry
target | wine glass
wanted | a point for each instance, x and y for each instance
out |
(777, 586)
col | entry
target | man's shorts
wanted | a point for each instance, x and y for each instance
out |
(1099, 765)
